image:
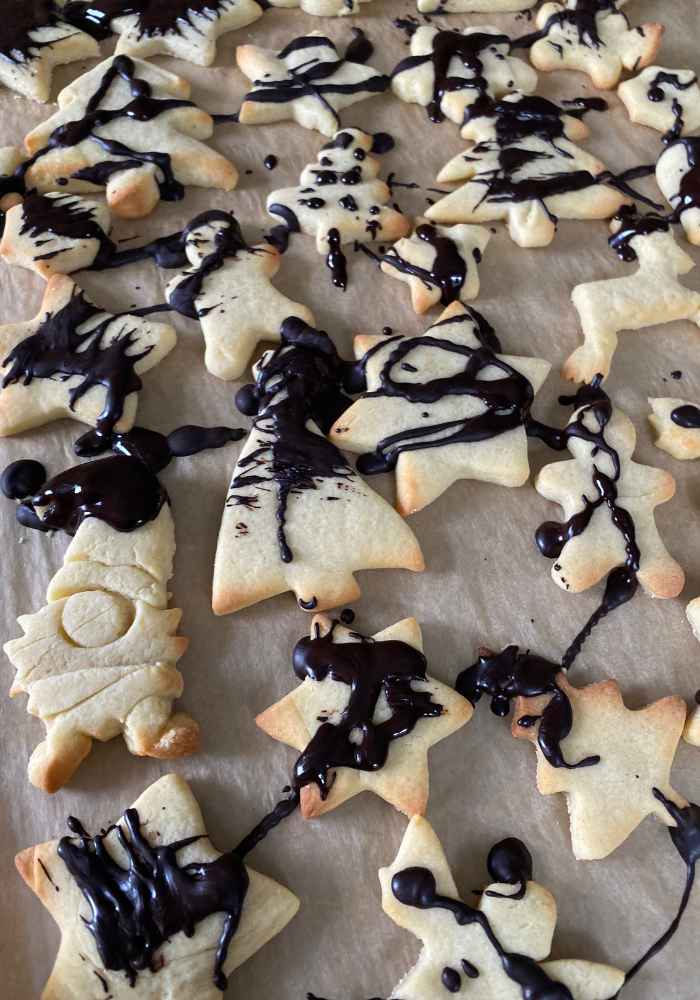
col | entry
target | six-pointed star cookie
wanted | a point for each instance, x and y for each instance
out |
(450, 71)
(441, 407)
(440, 264)
(667, 100)
(678, 176)
(127, 126)
(375, 687)
(33, 39)
(308, 81)
(190, 898)
(76, 360)
(602, 480)
(677, 426)
(228, 289)
(493, 950)
(593, 37)
(608, 800)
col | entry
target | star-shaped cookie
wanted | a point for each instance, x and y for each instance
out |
(440, 264)
(127, 126)
(608, 503)
(495, 949)
(676, 423)
(33, 39)
(667, 100)
(691, 733)
(525, 170)
(307, 81)
(152, 887)
(652, 296)
(228, 288)
(593, 37)
(450, 72)
(440, 407)
(608, 800)
(678, 177)
(379, 688)
(76, 360)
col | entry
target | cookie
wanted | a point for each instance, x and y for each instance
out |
(100, 657)
(473, 6)
(677, 426)
(691, 733)
(651, 296)
(127, 126)
(454, 73)
(326, 8)
(595, 38)
(57, 233)
(148, 907)
(608, 503)
(11, 186)
(495, 947)
(228, 289)
(667, 100)
(440, 264)
(678, 177)
(33, 39)
(340, 199)
(308, 81)
(378, 687)
(441, 407)
(76, 360)
(297, 516)
(525, 170)
(623, 748)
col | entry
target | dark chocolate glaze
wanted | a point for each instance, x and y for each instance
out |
(270, 161)
(278, 236)
(298, 383)
(335, 260)
(360, 49)
(22, 478)
(370, 668)
(312, 78)
(448, 271)
(511, 674)
(17, 26)
(155, 17)
(64, 216)
(686, 416)
(582, 16)
(688, 195)
(135, 910)
(284, 808)
(510, 861)
(633, 224)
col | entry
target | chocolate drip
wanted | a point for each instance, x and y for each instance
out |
(656, 93)
(63, 216)
(95, 357)
(360, 49)
(135, 910)
(688, 195)
(307, 80)
(686, 416)
(509, 861)
(22, 478)
(371, 669)
(511, 674)
(582, 17)
(449, 45)
(417, 887)
(335, 260)
(281, 811)
(298, 383)
(19, 24)
(155, 17)
(633, 224)
(270, 161)
(278, 236)
(448, 271)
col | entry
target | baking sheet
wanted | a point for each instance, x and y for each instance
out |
(485, 582)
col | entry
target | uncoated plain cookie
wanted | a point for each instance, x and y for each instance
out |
(667, 100)
(494, 948)
(149, 908)
(379, 687)
(691, 733)
(677, 426)
(678, 176)
(127, 126)
(297, 516)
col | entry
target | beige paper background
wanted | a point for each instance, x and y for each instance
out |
(485, 582)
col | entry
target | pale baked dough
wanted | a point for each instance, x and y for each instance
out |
(674, 100)
(681, 442)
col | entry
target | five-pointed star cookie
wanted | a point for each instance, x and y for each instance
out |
(56, 233)
(127, 126)
(76, 360)
(676, 423)
(678, 177)
(667, 100)
(297, 516)
(144, 907)
(450, 72)
(608, 503)
(493, 950)
(377, 687)
(100, 658)
(440, 407)
(228, 289)
(691, 733)
(652, 296)
(525, 170)
(307, 81)
(440, 264)
(593, 37)
(608, 800)
(33, 39)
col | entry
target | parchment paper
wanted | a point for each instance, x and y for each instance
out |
(485, 583)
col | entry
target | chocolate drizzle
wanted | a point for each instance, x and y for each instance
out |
(633, 224)
(656, 93)
(511, 674)
(582, 16)
(155, 17)
(67, 217)
(335, 260)
(296, 384)
(688, 195)
(686, 416)
(371, 668)
(18, 26)
(448, 271)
